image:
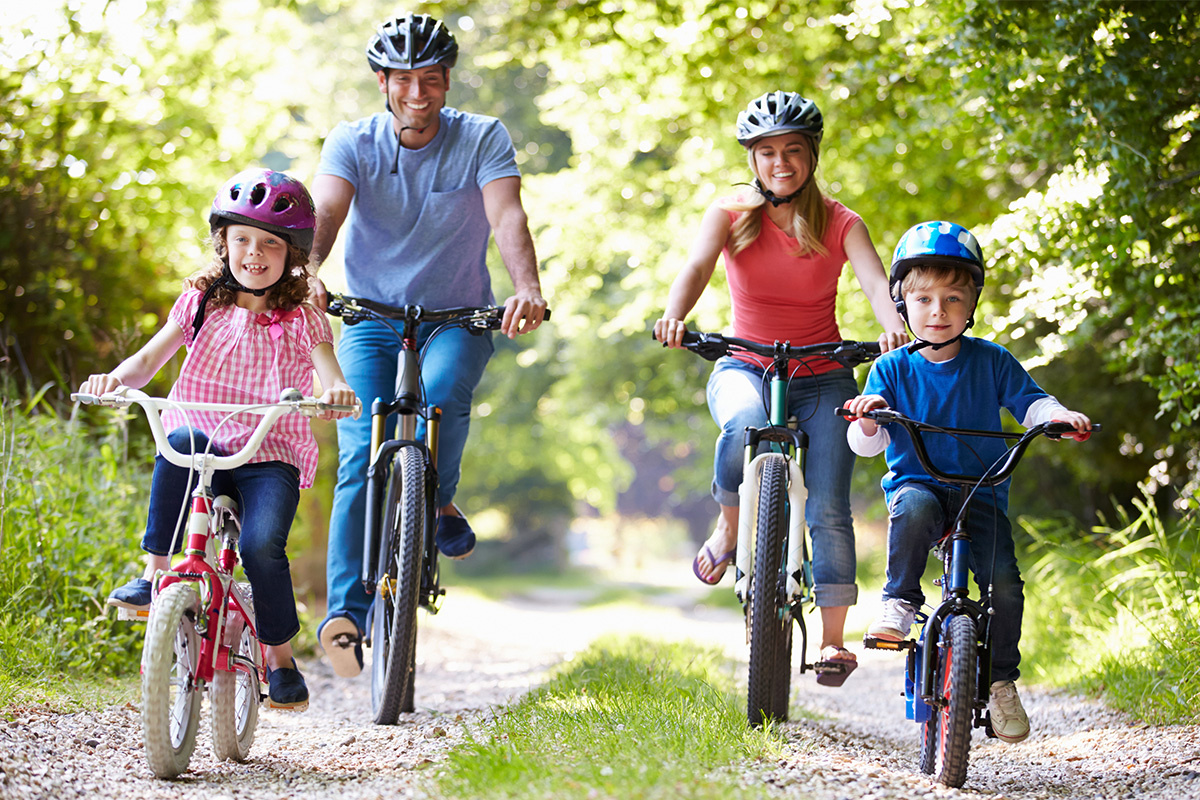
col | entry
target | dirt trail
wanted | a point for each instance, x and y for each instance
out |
(477, 655)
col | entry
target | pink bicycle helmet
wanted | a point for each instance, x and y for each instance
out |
(273, 201)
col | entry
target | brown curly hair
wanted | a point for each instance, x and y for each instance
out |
(288, 294)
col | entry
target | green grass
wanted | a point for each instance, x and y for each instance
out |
(627, 718)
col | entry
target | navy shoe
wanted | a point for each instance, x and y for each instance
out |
(286, 688)
(455, 539)
(134, 595)
(342, 642)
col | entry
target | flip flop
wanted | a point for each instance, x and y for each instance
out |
(834, 667)
(715, 562)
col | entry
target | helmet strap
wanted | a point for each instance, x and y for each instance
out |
(227, 280)
(400, 144)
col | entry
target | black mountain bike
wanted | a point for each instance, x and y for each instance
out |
(400, 556)
(773, 566)
(949, 665)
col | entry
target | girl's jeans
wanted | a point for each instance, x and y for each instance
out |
(267, 494)
(918, 515)
(738, 398)
(451, 369)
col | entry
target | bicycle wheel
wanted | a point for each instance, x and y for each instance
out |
(766, 598)
(170, 695)
(234, 697)
(394, 634)
(956, 686)
(783, 676)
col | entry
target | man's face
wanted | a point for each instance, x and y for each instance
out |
(415, 96)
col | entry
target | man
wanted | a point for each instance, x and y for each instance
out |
(422, 187)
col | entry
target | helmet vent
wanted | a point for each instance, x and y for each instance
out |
(283, 203)
(258, 194)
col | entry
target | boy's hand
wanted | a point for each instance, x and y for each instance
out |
(1080, 422)
(862, 404)
(341, 395)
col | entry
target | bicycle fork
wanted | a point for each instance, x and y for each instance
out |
(748, 498)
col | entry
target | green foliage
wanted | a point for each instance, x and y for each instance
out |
(1115, 611)
(71, 513)
(626, 718)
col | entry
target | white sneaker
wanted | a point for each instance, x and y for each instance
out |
(1009, 720)
(895, 622)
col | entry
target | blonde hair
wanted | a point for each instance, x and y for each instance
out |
(810, 215)
(925, 276)
(288, 294)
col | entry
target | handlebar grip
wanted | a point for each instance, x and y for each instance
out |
(86, 399)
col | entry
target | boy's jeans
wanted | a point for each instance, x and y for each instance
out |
(267, 493)
(452, 368)
(735, 399)
(918, 514)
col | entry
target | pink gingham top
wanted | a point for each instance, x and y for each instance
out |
(243, 357)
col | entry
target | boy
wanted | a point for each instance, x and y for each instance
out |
(961, 382)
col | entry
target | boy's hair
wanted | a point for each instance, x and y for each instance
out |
(288, 294)
(924, 276)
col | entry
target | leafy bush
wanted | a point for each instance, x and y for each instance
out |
(71, 514)
(1115, 611)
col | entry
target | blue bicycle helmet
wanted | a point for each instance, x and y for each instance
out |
(936, 243)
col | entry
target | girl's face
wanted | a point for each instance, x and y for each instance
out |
(939, 312)
(257, 258)
(784, 162)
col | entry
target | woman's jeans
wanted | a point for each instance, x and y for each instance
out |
(918, 515)
(739, 398)
(451, 369)
(267, 494)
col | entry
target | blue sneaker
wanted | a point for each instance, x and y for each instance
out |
(286, 688)
(134, 595)
(455, 539)
(342, 642)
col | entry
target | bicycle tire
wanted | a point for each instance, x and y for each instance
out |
(766, 599)
(956, 684)
(783, 676)
(394, 637)
(170, 694)
(235, 696)
(928, 745)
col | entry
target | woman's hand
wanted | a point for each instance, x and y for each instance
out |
(670, 332)
(891, 340)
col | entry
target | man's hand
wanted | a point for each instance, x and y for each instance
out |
(317, 294)
(523, 312)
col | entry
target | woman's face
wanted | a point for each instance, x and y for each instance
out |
(783, 163)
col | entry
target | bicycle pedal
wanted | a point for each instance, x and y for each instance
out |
(132, 614)
(297, 707)
(874, 643)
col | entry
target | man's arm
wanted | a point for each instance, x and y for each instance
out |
(502, 203)
(332, 196)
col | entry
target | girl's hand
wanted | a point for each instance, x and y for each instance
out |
(891, 340)
(1080, 422)
(670, 332)
(101, 383)
(862, 404)
(341, 395)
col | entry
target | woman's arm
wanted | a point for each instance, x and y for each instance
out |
(137, 370)
(868, 269)
(691, 281)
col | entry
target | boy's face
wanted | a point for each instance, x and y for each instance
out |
(939, 312)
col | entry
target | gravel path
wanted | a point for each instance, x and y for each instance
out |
(476, 655)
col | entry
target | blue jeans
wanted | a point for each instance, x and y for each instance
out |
(267, 494)
(451, 369)
(918, 515)
(737, 399)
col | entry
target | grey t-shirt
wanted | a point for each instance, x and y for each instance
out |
(421, 235)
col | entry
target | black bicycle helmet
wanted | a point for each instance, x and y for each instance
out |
(780, 112)
(411, 42)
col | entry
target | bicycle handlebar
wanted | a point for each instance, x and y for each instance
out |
(712, 346)
(290, 400)
(476, 319)
(1051, 430)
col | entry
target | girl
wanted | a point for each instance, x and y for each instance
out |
(784, 246)
(249, 335)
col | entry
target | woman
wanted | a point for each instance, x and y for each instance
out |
(784, 246)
